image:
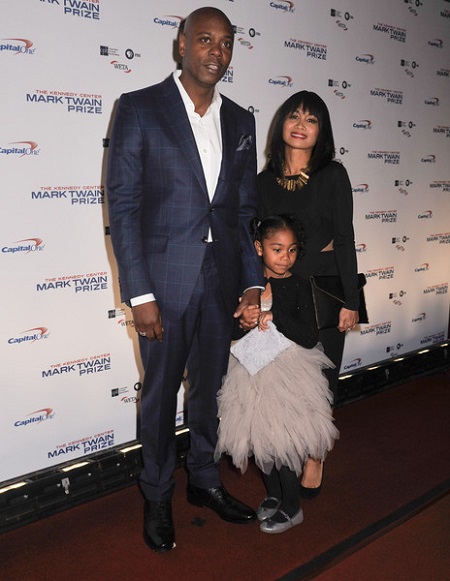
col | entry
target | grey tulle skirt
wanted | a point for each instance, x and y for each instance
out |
(281, 415)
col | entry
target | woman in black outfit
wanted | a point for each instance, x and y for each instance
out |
(302, 180)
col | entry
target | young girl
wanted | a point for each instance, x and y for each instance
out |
(281, 414)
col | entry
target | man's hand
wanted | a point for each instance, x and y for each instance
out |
(147, 321)
(250, 301)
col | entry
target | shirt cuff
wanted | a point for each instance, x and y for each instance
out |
(141, 299)
(250, 287)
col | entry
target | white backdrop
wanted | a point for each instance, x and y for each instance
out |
(70, 366)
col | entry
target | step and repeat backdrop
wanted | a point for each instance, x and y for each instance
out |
(70, 371)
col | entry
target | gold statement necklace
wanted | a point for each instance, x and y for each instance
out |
(291, 183)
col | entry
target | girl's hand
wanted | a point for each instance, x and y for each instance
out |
(249, 317)
(263, 319)
(347, 319)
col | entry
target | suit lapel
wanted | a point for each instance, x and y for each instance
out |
(178, 122)
(226, 130)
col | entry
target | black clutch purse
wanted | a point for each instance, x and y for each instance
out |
(328, 298)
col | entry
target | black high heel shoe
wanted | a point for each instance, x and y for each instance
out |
(308, 493)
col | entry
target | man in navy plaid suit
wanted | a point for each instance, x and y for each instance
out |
(181, 193)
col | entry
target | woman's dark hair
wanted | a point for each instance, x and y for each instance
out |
(323, 151)
(271, 224)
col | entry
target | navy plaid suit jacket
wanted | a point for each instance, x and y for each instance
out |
(159, 206)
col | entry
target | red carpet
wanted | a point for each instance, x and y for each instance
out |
(392, 458)
(418, 550)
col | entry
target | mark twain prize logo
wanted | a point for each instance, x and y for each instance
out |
(20, 149)
(392, 32)
(87, 445)
(378, 329)
(71, 102)
(78, 8)
(434, 339)
(228, 77)
(387, 157)
(436, 289)
(17, 46)
(383, 216)
(36, 417)
(441, 238)
(309, 49)
(389, 95)
(443, 130)
(443, 73)
(83, 367)
(385, 273)
(443, 185)
(30, 336)
(78, 283)
(24, 246)
(75, 195)
(283, 5)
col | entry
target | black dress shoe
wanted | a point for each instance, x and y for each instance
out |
(222, 503)
(159, 533)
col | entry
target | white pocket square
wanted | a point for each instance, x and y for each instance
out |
(244, 142)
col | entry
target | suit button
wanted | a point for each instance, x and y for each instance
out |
(205, 239)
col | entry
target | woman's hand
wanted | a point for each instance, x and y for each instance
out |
(347, 319)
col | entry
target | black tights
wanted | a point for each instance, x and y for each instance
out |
(284, 485)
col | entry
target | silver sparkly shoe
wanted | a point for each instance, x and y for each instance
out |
(267, 508)
(273, 527)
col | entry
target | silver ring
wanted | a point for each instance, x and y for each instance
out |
(142, 333)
